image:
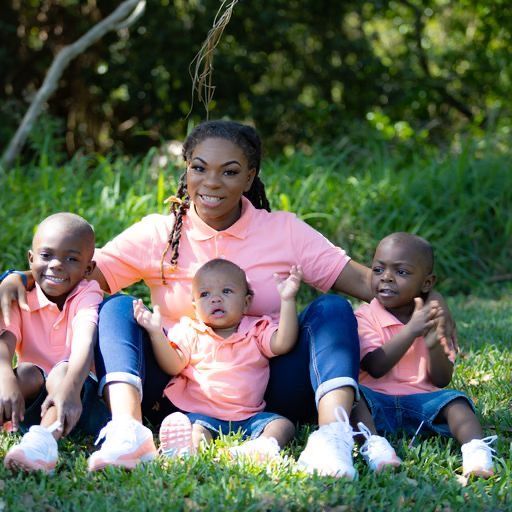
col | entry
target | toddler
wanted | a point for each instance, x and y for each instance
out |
(220, 363)
(50, 390)
(406, 359)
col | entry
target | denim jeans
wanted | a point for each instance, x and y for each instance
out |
(392, 413)
(326, 357)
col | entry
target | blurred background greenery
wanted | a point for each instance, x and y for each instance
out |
(301, 70)
(376, 116)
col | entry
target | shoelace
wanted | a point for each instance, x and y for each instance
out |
(341, 430)
(488, 441)
(378, 445)
(112, 440)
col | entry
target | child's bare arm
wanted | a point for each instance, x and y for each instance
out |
(65, 397)
(12, 404)
(440, 368)
(285, 337)
(166, 356)
(381, 360)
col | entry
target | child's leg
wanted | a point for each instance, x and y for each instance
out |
(361, 414)
(461, 420)
(201, 436)
(268, 433)
(30, 380)
(282, 430)
(37, 449)
(54, 380)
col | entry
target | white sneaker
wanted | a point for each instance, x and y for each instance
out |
(329, 450)
(37, 450)
(176, 436)
(376, 450)
(261, 449)
(127, 443)
(477, 457)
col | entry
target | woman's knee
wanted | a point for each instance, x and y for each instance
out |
(117, 305)
(330, 306)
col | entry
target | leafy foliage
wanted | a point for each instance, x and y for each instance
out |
(303, 71)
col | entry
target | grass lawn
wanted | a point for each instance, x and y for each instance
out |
(426, 481)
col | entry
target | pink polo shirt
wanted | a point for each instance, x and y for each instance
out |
(376, 326)
(260, 242)
(224, 378)
(44, 334)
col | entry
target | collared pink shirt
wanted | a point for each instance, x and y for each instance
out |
(376, 326)
(44, 334)
(224, 378)
(260, 242)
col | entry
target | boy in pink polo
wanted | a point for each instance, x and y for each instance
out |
(53, 339)
(406, 360)
(220, 363)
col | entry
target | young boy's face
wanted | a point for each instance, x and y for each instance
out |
(220, 297)
(399, 274)
(59, 259)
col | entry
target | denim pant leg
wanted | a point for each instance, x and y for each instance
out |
(124, 354)
(325, 358)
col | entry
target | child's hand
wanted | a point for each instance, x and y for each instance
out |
(68, 405)
(437, 336)
(12, 403)
(289, 287)
(423, 318)
(152, 322)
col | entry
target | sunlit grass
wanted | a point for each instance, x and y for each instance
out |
(354, 196)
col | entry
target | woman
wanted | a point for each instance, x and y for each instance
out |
(221, 211)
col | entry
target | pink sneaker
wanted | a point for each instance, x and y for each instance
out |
(176, 436)
(37, 450)
(127, 443)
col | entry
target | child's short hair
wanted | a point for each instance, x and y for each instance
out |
(72, 222)
(418, 244)
(220, 263)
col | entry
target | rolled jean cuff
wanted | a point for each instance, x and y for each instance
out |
(125, 377)
(337, 383)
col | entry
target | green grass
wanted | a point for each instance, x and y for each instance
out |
(427, 481)
(354, 195)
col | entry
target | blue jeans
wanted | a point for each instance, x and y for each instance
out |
(326, 357)
(251, 428)
(392, 413)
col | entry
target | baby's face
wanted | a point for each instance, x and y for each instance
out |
(220, 298)
(59, 260)
(398, 274)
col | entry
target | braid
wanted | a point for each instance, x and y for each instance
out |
(179, 206)
(256, 194)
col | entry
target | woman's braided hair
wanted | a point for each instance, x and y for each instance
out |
(243, 136)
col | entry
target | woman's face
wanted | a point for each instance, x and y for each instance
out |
(217, 176)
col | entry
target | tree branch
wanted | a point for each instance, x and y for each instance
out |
(125, 14)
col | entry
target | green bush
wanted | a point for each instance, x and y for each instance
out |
(354, 194)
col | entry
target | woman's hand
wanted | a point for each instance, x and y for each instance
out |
(12, 290)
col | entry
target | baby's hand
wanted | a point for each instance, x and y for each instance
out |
(423, 317)
(152, 322)
(289, 287)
